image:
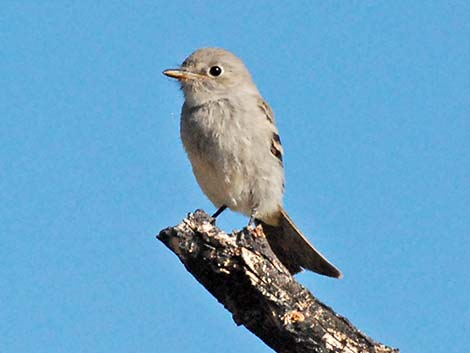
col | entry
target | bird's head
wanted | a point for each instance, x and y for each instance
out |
(212, 73)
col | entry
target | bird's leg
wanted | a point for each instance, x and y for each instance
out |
(252, 221)
(219, 211)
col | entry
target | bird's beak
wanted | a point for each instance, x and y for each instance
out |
(182, 75)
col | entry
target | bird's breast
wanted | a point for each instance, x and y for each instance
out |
(230, 154)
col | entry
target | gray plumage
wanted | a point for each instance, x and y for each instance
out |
(231, 139)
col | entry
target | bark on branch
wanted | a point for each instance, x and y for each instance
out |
(242, 272)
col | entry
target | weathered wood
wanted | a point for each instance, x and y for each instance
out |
(242, 272)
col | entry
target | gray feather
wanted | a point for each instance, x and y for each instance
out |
(295, 251)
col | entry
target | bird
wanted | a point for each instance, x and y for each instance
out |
(230, 136)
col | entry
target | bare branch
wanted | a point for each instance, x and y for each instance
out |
(242, 272)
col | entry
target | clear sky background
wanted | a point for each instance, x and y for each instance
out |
(372, 100)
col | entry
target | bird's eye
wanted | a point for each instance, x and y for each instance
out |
(215, 71)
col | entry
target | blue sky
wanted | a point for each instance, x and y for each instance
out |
(372, 100)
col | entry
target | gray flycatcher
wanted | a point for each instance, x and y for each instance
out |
(230, 136)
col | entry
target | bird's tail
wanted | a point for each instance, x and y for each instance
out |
(295, 251)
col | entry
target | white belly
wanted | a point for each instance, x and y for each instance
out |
(233, 165)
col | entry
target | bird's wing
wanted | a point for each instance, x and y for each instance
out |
(276, 146)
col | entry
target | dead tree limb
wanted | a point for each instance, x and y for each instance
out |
(242, 272)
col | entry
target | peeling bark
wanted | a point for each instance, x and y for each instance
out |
(242, 272)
